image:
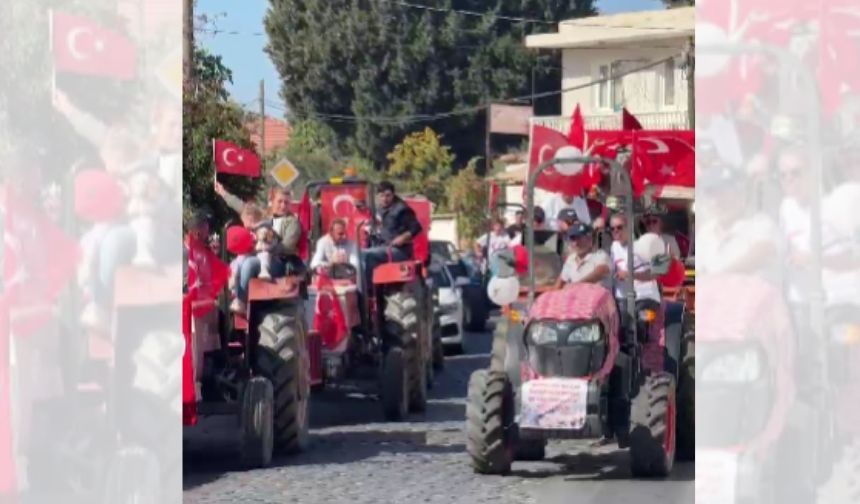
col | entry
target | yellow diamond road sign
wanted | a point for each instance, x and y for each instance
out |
(284, 173)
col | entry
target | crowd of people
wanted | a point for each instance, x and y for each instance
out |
(266, 244)
(594, 252)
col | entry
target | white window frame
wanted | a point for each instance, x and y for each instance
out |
(663, 86)
(598, 73)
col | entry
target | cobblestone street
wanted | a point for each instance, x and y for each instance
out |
(355, 457)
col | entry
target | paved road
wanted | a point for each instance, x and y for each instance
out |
(357, 458)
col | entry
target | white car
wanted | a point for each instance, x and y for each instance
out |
(450, 306)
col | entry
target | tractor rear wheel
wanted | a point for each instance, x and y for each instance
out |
(256, 420)
(687, 402)
(282, 359)
(403, 325)
(652, 427)
(489, 419)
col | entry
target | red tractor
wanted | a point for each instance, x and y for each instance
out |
(258, 366)
(384, 327)
(577, 364)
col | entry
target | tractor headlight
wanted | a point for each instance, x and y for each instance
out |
(584, 334)
(735, 367)
(561, 333)
(544, 334)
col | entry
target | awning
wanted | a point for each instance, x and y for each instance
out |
(618, 30)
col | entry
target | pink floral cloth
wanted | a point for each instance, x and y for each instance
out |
(582, 301)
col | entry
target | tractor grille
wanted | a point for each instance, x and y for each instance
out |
(568, 361)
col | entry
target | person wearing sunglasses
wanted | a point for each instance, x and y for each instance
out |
(654, 224)
(644, 283)
(585, 264)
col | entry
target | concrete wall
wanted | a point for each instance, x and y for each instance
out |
(444, 227)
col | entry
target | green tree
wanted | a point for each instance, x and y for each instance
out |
(378, 59)
(467, 193)
(421, 164)
(209, 114)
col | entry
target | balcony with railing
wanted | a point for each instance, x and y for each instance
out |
(675, 120)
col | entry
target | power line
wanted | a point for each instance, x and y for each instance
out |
(471, 13)
(419, 118)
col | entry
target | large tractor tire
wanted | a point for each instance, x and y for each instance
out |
(686, 429)
(438, 347)
(256, 420)
(395, 385)
(402, 323)
(652, 427)
(489, 419)
(282, 359)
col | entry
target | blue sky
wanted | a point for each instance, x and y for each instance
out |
(243, 53)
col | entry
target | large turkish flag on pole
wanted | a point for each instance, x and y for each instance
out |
(81, 46)
(234, 160)
(664, 158)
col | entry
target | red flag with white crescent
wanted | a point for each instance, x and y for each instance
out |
(207, 275)
(234, 160)
(546, 144)
(664, 158)
(329, 320)
(82, 46)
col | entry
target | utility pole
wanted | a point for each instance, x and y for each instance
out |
(262, 120)
(188, 43)
(691, 82)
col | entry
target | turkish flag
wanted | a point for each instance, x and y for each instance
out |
(189, 392)
(303, 213)
(664, 158)
(329, 320)
(81, 46)
(546, 144)
(234, 160)
(629, 121)
(40, 260)
(339, 202)
(207, 275)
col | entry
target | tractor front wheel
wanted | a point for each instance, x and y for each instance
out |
(687, 402)
(652, 427)
(402, 323)
(256, 422)
(489, 419)
(395, 385)
(282, 359)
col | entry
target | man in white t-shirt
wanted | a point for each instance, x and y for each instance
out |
(557, 203)
(654, 224)
(498, 240)
(644, 284)
(585, 264)
(335, 247)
